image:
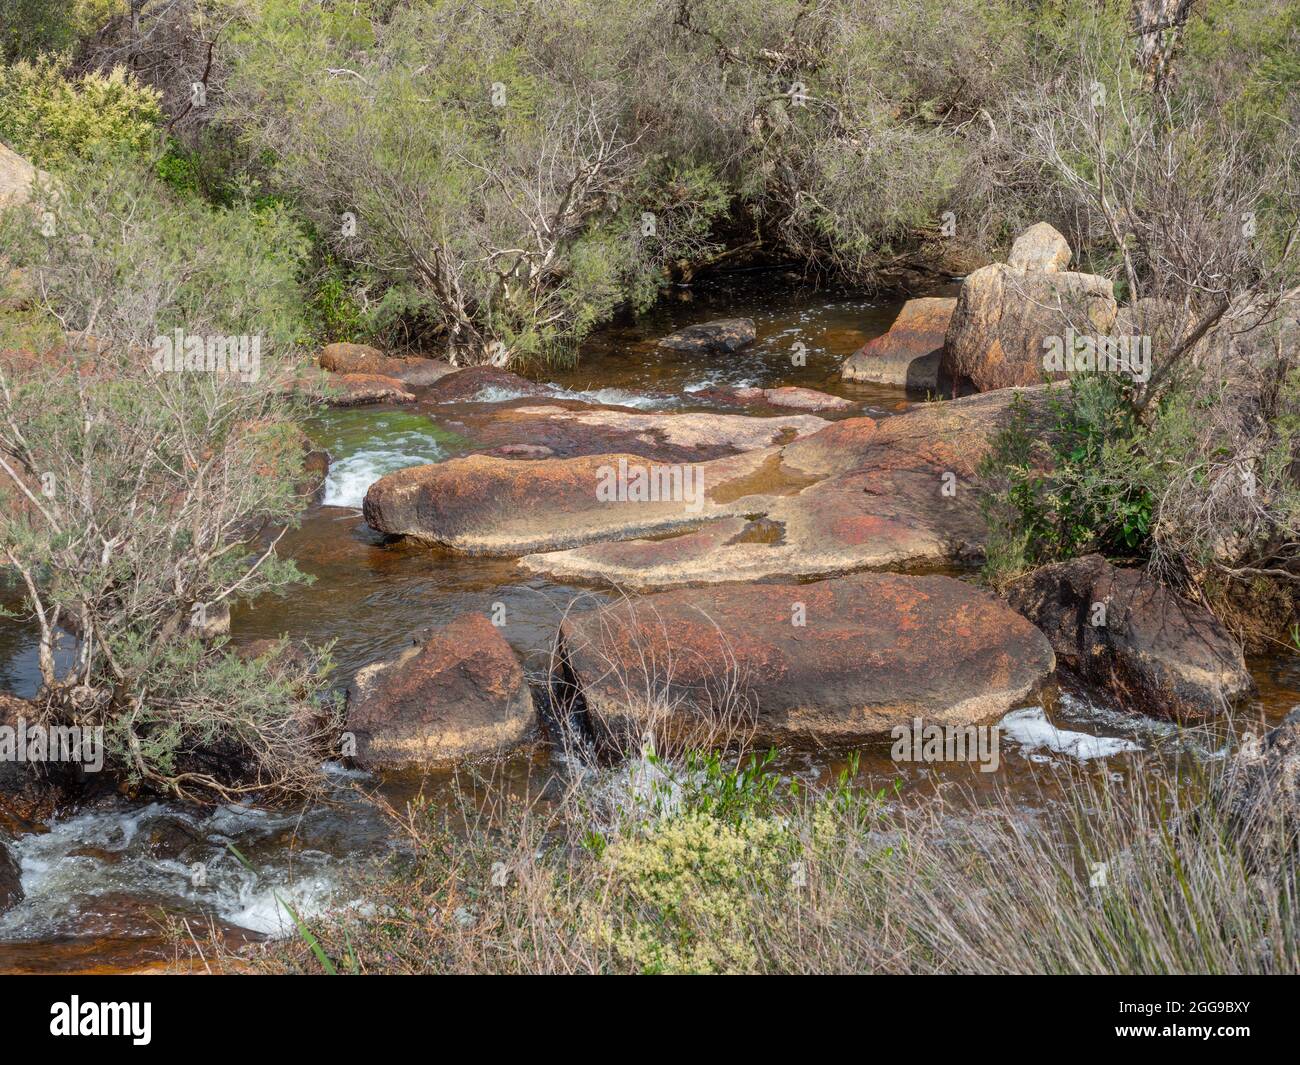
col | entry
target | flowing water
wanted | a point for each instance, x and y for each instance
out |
(104, 884)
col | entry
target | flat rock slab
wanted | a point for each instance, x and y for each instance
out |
(867, 519)
(1124, 630)
(908, 355)
(874, 651)
(788, 397)
(568, 429)
(356, 389)
(723, 335)
(458, 693)
(363, 359)
(486, 505)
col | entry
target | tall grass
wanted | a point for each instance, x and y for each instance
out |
(706, 865)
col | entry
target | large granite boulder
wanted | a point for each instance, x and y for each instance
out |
(834, 661)
(1015, 323)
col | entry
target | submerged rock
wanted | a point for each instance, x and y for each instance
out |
(910, 352)
(461, 692)
(363, 359)
(834, 661)
(484, 384)
(789, 396)
(1123, 629)
(723, 335)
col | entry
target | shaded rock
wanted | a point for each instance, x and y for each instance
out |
(354, 389)
(1260, 794)
(569, 429)
(460, 693)
(723, 335)
(863, 661)
(484, 384)
(11, 886)
(910, 352)
(1004, 317)
(1040, 247)
(363, 359)
(481, 504)
(1122, 629)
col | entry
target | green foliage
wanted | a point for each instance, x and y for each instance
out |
(29, 28)
(156, 487)
(1084, 482)
(53, 119)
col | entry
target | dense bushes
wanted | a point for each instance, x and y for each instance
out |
(141, 499)
(53, 119)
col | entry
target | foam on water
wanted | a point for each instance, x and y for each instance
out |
(355, 466)
(1031, 729)
(76, 875)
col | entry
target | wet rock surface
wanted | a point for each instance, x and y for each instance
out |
(723, 335)
(827, 662)
(354, 389)
(11, 888)
(567, 429)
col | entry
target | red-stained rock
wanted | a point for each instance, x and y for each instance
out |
(862, 661)
(481, 504)
(461, 692)
(363, 359)
(909, 353)
(354, 389)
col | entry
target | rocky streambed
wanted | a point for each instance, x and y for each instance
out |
(767, 524)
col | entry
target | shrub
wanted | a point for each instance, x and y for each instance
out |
(141, 503)
(54, 119)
